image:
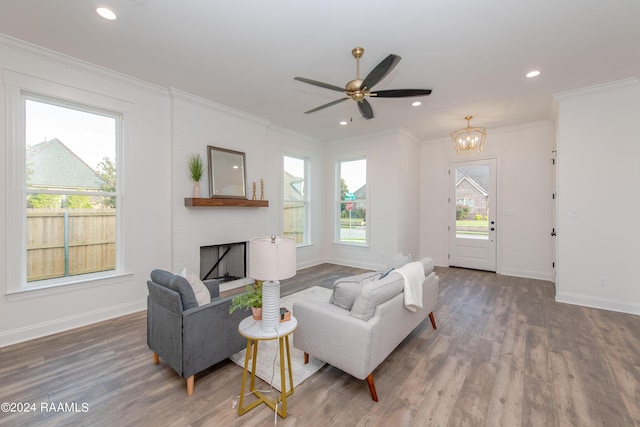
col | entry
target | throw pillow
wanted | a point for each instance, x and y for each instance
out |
(346, 290)
(203, 296)
(374, 293)
(399, 259)
(345, 293)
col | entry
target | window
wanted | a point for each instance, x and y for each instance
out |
(295, 199)
(71, 191)
(65, 184)
(351, 205)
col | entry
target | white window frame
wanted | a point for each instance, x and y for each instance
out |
(338, 202)
(18, 88)
(307, 190)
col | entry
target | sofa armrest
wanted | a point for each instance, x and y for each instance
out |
(213, 285)
(331, 334)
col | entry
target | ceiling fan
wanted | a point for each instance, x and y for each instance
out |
(358, 89)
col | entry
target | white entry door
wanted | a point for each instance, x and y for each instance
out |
(472, 214)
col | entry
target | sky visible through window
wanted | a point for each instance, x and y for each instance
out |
(354, 174)
(90, 136)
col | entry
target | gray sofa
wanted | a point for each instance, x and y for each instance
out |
(190, 338)
(351, 342)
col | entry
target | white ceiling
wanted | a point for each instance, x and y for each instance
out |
(244, 54)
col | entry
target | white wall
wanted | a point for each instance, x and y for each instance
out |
(36, 313)
(408, 203)
(167, 127)
(598, 203)
(280, 142)
(524, 199)
(392, 169)
(198, 123)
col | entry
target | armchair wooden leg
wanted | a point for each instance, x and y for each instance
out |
(156, 358)
(433, 320)
(190, 384)
(306, 358)
(372, 387)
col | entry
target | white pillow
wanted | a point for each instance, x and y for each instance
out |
(203, 296)
(398, 260)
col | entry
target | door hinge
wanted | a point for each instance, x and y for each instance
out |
(553, 196)
(448, 256)
(448, 228)
(553, 162)
(553, 264)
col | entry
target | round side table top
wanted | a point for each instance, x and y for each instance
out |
(252, 329)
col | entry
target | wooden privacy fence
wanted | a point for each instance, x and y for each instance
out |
(67, 242)
(294, 220)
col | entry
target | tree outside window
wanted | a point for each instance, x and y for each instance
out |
(71, 193)
(352, 202)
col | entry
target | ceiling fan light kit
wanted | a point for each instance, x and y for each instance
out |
(359, 89)
(468, 139)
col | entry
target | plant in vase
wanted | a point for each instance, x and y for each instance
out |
(196, 170)
(250, 299)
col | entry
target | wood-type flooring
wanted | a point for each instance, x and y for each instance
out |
(504, 354)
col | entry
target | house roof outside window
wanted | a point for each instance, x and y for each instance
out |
(52, 165)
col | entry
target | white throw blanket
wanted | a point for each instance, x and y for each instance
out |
(413, 274)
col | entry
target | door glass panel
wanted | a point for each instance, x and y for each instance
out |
(472, 202)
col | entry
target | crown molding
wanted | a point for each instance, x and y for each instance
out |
(61, 59)
(596, 88)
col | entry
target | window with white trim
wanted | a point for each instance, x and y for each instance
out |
(66, 186)
(351, 203)
(295, 199)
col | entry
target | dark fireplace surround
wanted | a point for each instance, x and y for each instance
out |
(225, 262)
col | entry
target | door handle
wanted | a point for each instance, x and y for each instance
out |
(553, 232)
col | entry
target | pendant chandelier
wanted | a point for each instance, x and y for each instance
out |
(468, 139)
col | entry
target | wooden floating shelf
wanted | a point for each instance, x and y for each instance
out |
(221, 201)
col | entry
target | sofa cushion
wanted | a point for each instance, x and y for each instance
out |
(178, 284)
(199, 289)
(374, 293)
(346, 290)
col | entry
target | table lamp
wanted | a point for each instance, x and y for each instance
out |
(271, 259)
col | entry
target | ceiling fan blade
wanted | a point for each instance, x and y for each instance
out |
(337, 101)
(381, 71)
(365, 109)
(321, 84)
(400, 93)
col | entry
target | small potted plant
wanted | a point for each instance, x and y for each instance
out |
(250, 299)
(196, 170)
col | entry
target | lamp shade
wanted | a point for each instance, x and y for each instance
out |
(272, 258)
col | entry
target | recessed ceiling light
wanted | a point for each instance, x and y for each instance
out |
(106, 13)
(343, 123)
(534, 73)
(416, 104)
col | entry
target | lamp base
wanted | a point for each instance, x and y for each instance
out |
(270, 305)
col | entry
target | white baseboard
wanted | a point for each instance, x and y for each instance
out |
(600, 303)
(60, 325)
(527, 274)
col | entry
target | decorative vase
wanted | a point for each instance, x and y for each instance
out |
(257, 313)
(196, 190)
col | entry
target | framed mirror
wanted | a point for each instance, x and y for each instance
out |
(227, 175)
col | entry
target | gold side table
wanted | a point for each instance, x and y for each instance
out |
(252, 330)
